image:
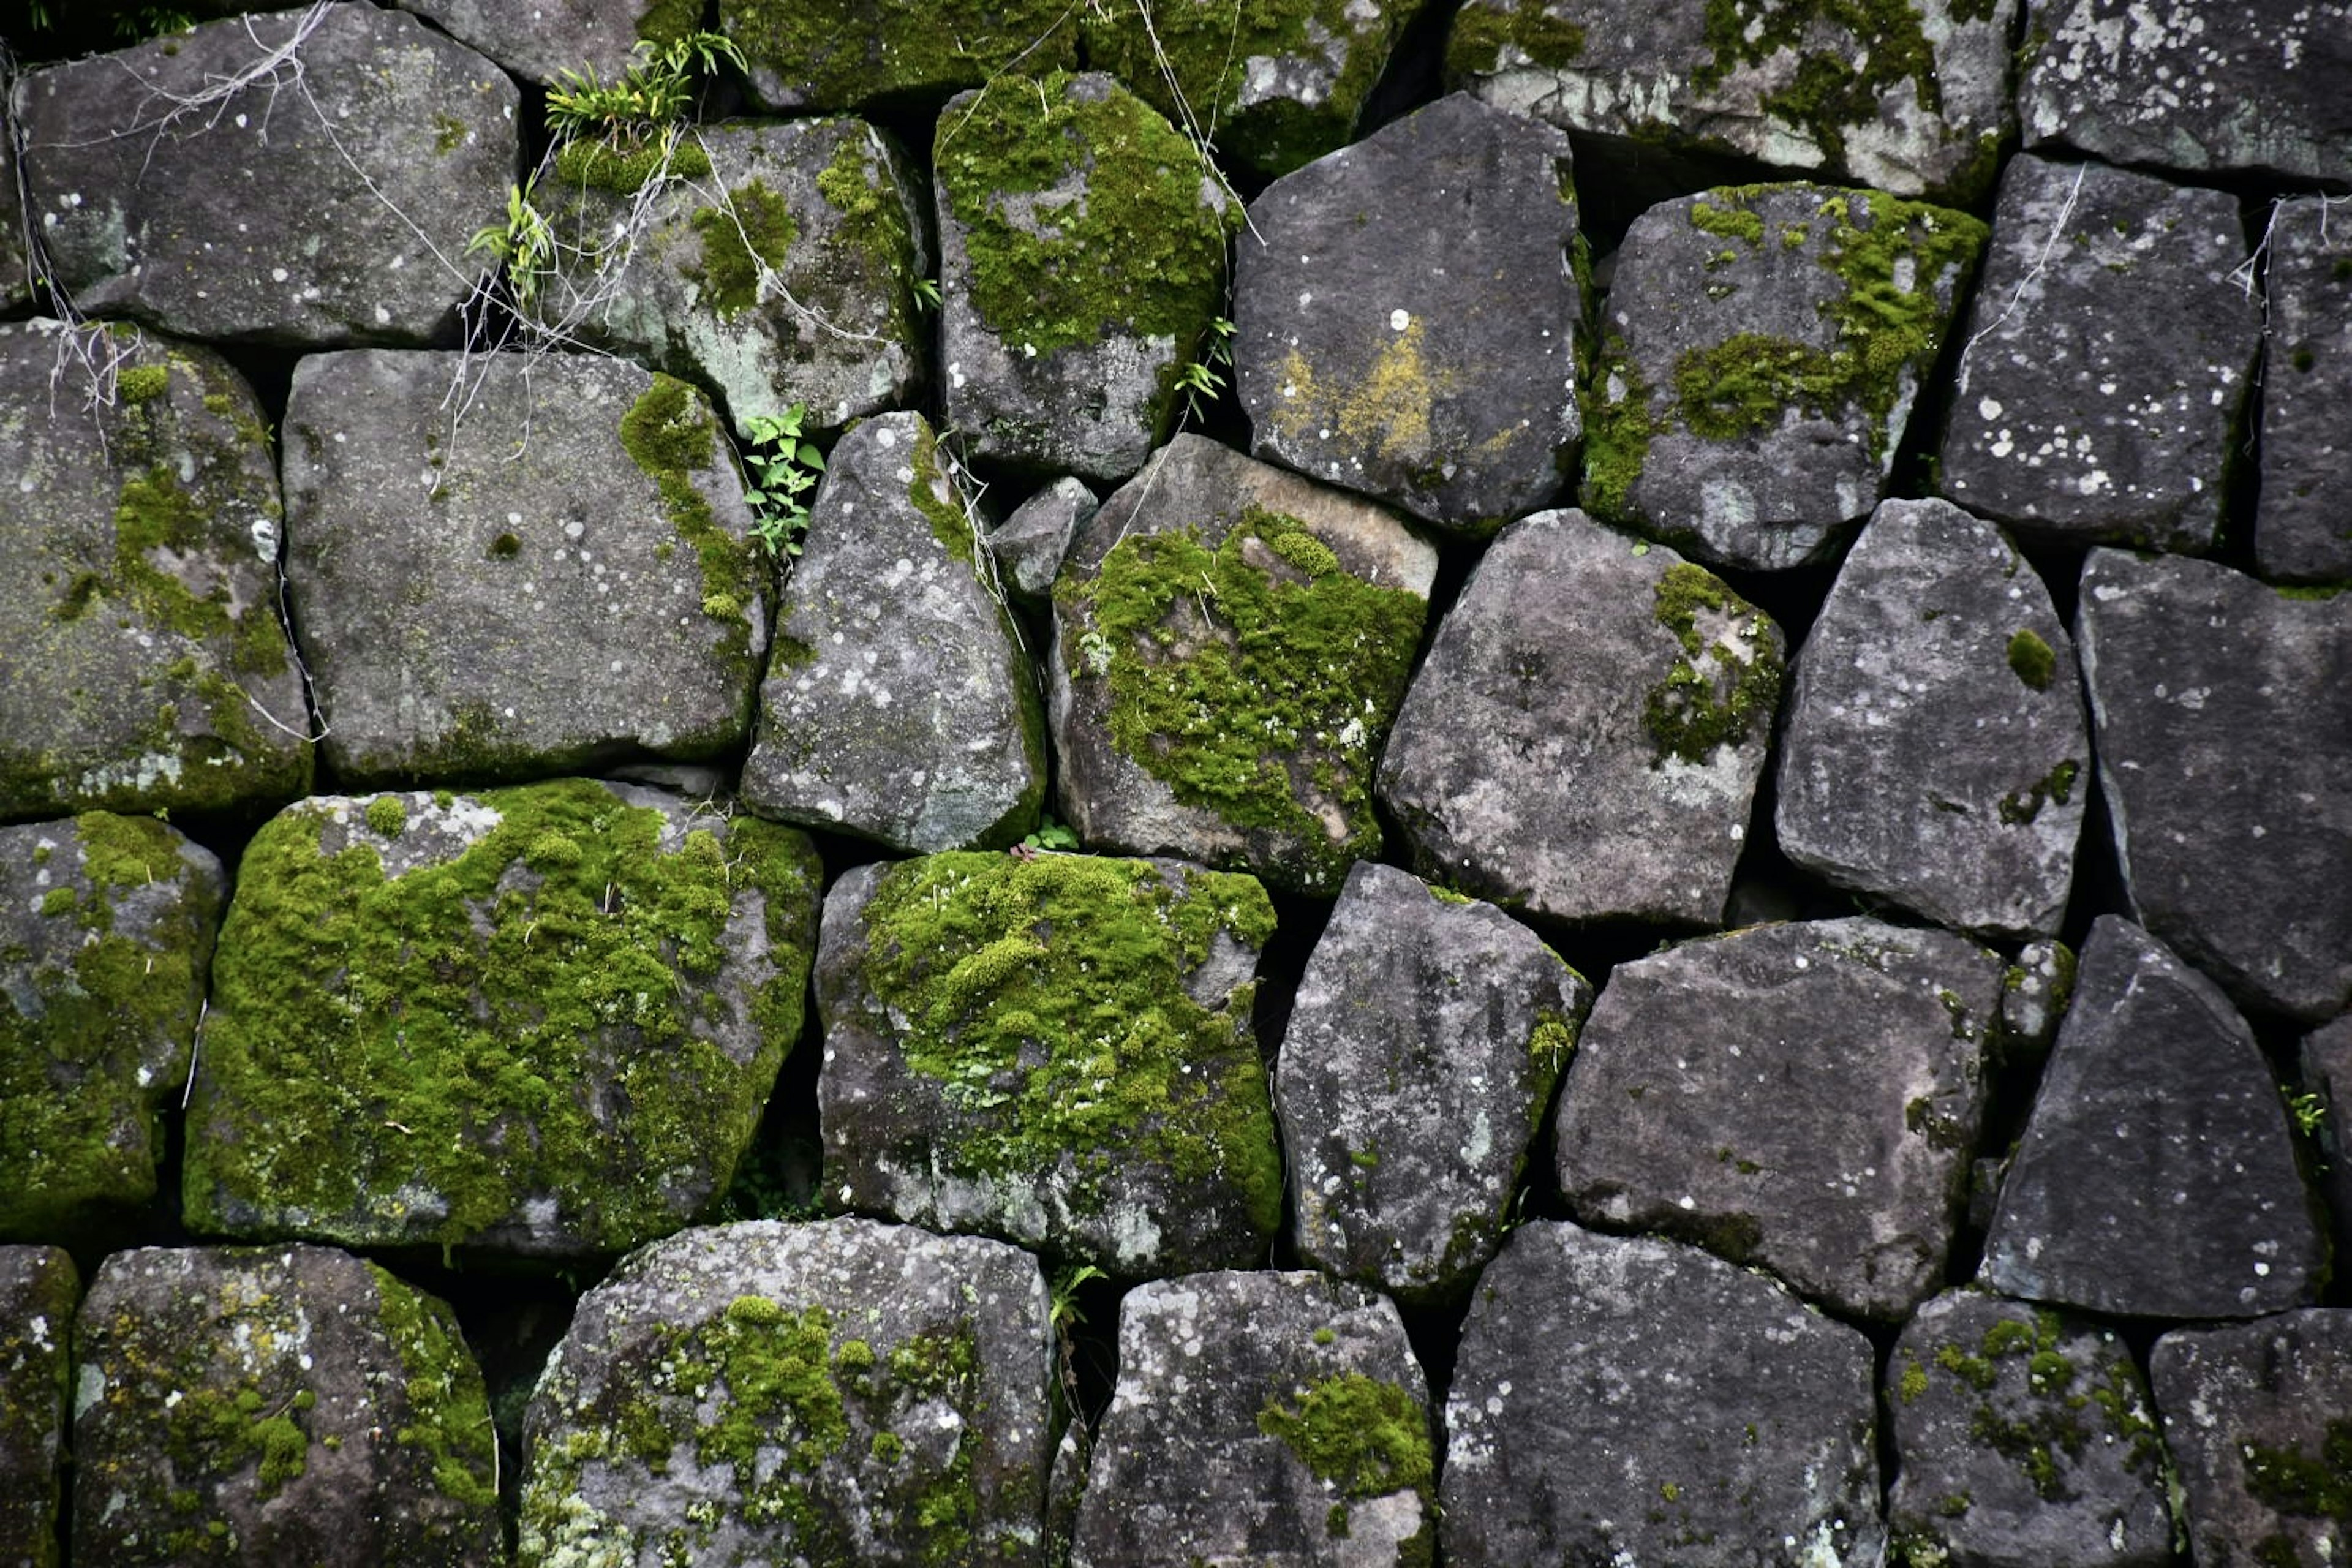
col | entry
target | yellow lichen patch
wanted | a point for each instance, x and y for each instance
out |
(1387, 415)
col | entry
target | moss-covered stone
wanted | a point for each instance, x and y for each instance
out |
(1491, 37)
(38, 1290)
(670, 433)
(1695, 710)
(849, 54)
(1362, 1436)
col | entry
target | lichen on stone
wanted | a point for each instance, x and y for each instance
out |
(1363, 1437)
(671, 435)
(1695, 709)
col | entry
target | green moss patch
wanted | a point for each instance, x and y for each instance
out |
(593, 165)
(1364, 1437)
(834, 54)
(871, 220)
(449, 1413)
(2056, 788)
(750, 235)
(1483, 32)
(2062, 1407)
(1834, 88)
(2032, 660)
(1697, 709)
(671, 435)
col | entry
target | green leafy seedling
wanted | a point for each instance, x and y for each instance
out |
(781, 469)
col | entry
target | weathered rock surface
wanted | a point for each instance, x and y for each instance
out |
(105, 937)
(1231, 644)
(1624, 1399)
(16, 278)
(1029, 545)
(2302, 534)
(139, 531)
(575, 583)
(1761, 351)
(842, 1392)
(310, 178)
(897, 704)
(2156, 1177)
(1936, 743)
(1369, 356)
(809, 54)
(541, 40)
(1423, 1046)
(2224, 721)
(1803, 1097)
(2024, 1440)
(2034, 992)
(39, 1288)
(1272, 1418)
(1585, 736)
(278, 1404)
(1082, 258)
(2109, 349)
(2327, 1072)
(1055, 1050)
(542, 1021)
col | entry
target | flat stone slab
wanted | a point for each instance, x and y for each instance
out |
(577, 583)
(850, 54)
(1584, 738)
(2109, 350)
(1620, 1398)
(2301, 533)
(2156, 1177)
(307, 179)
(541, 1021)
(1029, 544)
(539, 40)
(1272, 1418)
(1936, 745)
(1372, 357)
(840, 1392)
(39, 1288)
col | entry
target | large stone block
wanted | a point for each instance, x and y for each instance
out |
(539, 40)
(2302, 533)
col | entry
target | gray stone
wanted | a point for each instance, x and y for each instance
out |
(2302, 534)
(39, 1288)
(1232, 642)
(848, 54)
(1055, 1049)
(840, 1392)
(2025, 1439)
(2107, 357)
(1620, 1399)
(278, 1404)
(1424, 1042)
(539, 40)
(1587, 731)
(2034, 992)
(2323, 1112)
(1801, 1097)
(307, 178)
(541, 1021)
(106, 938)
(898, 705)
(512, 567)
(1370, 355)
(139, 529)
(2259, 1420)
(1760, 350)
(2224, 723)
(1029, 545)
(2156, 1177)
(16, 274)
(1271, 1418)
(1936, 745)
(1066, 1489)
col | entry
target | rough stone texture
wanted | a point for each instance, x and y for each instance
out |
(1620, 1399)
(2302, 533)
(469, 613)
(897, 704)
(105, 937)
(1423, 1046)
(2326, 1064)
(38, 1289)
(1055, 1050)
(288, 179)
(1029, 545)
(2259, 1420)
(1271, 1418)
(1369, 356)
(2034, 992)
(542, 1021)
(16, 278)
(775, 263)
(2223, 722)
(1082, 258)
(1761, 351)
(847, 54)
(842, 1392)
(2109, 349)
(1915, 100)
(2024, 1440)
(1586, 734)
(2255, 87)
(1803, 1097)
(1232, 642)
(1936, 745)
(2156, 1177)
(539, 40)
(278, 1404)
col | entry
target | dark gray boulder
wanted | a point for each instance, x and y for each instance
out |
(2108, 353)
(2156, 1177)
(539, 40)
(2023, 1439)
(2034, 992)
(576, 582)
(2224, 721)
(1369, 356)
(1584, 738)
(39, 1288)
(276, 1404)
(1800, 1097)
(1028, 546)
(1760, 350)
(1935, 747)
(310, 178)
(2323, 1114)
(1621, 1399)
(1232, 642)
(897, 704)
(810, 55)
(2302, 534)
(1271, 1418)
(839, 1391)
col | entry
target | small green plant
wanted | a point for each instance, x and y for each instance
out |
(1063, 1311)
(525, 244)
(1051, 835)
(1202, 381)
(927, 293)
(138, 23)
(2309, 1110)
(781, 466)
(643, 101)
